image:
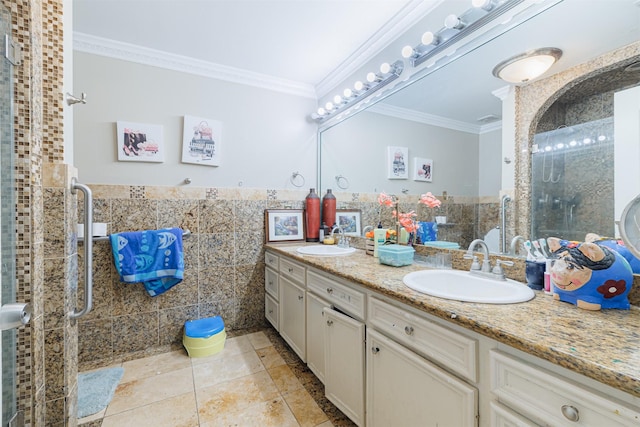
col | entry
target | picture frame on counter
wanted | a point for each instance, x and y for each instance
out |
(284, 225)
(349, 219)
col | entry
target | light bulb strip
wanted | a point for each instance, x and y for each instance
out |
(367, 90)
(449, 36)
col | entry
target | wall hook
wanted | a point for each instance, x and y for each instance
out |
(75, 100)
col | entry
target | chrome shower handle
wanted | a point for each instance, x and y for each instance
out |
(88, 248)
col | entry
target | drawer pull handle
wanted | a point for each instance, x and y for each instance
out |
(375, 350)
(408, 330)
(570, 412)
(271, 311)
(270, 282)
(329, 290)
(329, 322)
(290, 270)
(300, 297)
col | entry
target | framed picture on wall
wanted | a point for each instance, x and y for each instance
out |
(284, 225)
(201, 139)
(140, 142)
(423, 169)
(397, 162)
(349, 220)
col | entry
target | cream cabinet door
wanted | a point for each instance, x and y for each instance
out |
(292, 317)
(344, 364)
(316, 322)
(403, 389)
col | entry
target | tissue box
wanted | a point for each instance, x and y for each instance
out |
(395, 255)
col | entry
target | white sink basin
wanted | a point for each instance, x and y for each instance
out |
(325, 250)
(464, 286)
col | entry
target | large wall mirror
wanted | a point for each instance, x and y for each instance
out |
(453, 117)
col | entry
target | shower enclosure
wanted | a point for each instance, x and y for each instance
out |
(572, 181)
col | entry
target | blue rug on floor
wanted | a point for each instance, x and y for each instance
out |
(95, 390)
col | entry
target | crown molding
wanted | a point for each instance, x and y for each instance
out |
(86, 43)
(432, 119)
(407, 17)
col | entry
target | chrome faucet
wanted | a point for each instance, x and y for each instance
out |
(343, 241)
(513, 249)
(486, 266)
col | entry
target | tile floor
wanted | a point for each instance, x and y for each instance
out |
(256, 380)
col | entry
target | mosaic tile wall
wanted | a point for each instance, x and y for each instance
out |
(37, 27)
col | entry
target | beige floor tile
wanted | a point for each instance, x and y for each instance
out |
(304, 408)
(235, 395)
(178, 411)
(226, 368)
(259, 340)
(284, 378)
(270, 357)
(325, 424)
(274, 413)
(149, 390)
(155, 365)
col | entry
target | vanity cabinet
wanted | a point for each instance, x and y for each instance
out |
(292, 313)
(404, 389)
(344, 364)
(549, 399)
(271, 281)
(316, 324)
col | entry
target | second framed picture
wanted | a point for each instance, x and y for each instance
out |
(423, 169)
(349, 221)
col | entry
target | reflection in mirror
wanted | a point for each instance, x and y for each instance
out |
(573, 184)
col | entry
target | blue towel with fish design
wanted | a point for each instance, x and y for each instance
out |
(151, 257)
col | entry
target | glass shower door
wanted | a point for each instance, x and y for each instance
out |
(7, 220)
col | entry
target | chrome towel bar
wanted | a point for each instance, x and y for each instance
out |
(185, 235)
(88, 249)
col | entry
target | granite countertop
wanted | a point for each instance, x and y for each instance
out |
(602, 345)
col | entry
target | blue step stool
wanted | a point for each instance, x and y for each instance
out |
(204, 337)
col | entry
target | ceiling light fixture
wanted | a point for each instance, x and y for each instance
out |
(527, 66)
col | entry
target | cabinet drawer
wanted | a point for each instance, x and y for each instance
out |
(271, 282)
(293, 270)
(345, 298)
(271, 260)
(271, 311)
(456, 352)
(549, 399)
(501, 416)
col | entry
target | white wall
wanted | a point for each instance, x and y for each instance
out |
(490, 163)
(627, 150)
(357, 149)
(266, 135)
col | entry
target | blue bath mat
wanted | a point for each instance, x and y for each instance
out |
(95, 390)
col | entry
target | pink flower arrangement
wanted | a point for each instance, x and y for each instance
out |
(407, 219)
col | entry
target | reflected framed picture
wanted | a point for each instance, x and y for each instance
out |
(423, 169)
(397, 162)
(139, 142)
(201, 140)
(284, 225)
(349, 220)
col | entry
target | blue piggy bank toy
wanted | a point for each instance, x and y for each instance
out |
(590, 275)
(618, 246)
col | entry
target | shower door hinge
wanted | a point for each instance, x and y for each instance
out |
(12, 50)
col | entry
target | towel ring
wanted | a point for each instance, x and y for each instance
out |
(295, 181)
(342, 182)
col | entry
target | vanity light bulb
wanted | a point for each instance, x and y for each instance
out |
(348, 93)
(429, 38)
(573, 143)
(371, 77)
(602, 138)
(329, 106)
(560, 146)
(385, 68)
(587, 141)
(548, 148)
(321, 111)
(482, 4)
(358, 86)
(407, 52)
(337, 100)
(453, 22)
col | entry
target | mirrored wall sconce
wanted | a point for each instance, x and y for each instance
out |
(374, 82)
(456, 27)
